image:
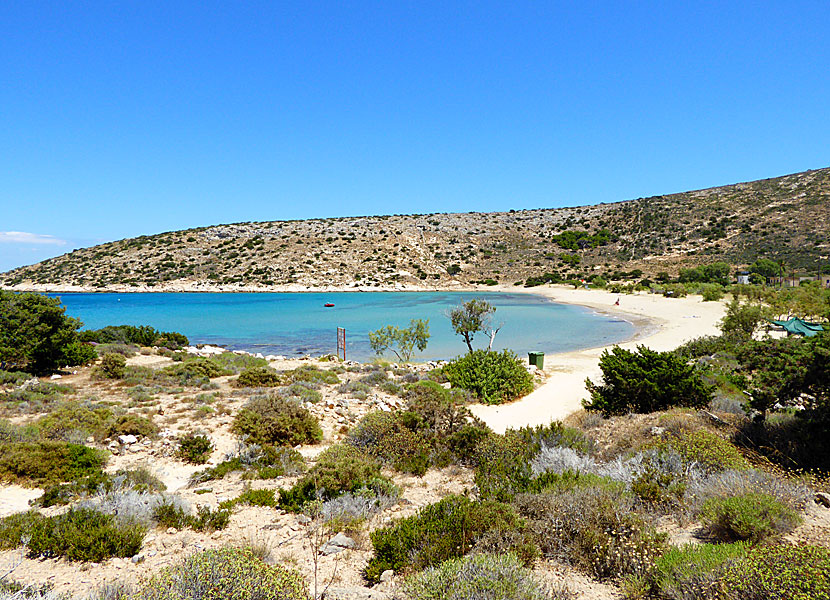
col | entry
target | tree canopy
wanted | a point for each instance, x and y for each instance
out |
(645, 381)
(401, 341)
(37, 336)
(472, 317)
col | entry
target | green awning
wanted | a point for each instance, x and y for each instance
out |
(796, 326)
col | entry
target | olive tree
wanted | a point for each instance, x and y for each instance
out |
(472, 317)
(401, 341)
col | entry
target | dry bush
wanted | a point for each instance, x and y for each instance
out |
(595, 528)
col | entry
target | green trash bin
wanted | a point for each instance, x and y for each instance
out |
(537, 359)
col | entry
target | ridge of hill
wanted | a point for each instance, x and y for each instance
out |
(784, 218)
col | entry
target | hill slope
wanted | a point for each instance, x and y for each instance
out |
(785, 218)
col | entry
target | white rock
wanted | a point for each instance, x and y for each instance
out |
(127, 439)
(387, 576)
(342, 540)
(55, 376)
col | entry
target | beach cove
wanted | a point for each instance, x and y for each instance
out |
(661, 324)
(648, 319)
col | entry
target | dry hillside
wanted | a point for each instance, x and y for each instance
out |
(785, 218)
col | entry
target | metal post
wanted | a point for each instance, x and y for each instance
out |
(341, 342)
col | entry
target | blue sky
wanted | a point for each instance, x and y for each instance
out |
(120, 119)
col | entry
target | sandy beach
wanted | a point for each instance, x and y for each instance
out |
(662, 324)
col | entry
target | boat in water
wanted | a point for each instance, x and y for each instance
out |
(329, 304)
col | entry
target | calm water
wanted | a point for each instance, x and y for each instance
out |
(293, 324)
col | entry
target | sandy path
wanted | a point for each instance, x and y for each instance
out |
(662, 324)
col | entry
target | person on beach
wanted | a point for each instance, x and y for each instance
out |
(617, 303)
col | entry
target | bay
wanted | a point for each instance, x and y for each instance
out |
(293, 324)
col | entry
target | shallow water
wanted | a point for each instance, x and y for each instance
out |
(297, 324)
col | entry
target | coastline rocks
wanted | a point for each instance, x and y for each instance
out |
(206, 350)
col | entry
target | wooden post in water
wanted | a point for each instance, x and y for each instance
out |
(341, 342)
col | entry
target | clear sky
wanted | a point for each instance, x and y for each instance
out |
(125, 118)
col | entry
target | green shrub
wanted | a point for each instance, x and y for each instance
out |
(493, 377)
(36, 335)
(476, 577)
(433, 429)
(693, 571)
(253, 498)
(503, 466)
(140, 480)
(502, 462)
(170, 514)
(301, 392)
(143, 335)
(339, 469)
(195, 448)
(752, 516)
(385, 436)
(39, 398)
(48, 462)
(64, 493)
(274, 420)
(438, 532)
(711, 292)
(709, 450)
(208, 520)
(779, 572)
(257, 377)
(310, 374)
(259, 462)
(193, 371)
(13, 377)
(78, 535)
(132, 424)
(645, 381)
(113, 366)
(235, 363)
(674, 290)
(75, 421)
(221, 574)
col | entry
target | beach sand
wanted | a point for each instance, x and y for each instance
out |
(662, 324)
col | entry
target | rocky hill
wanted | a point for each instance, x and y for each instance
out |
(784, 218)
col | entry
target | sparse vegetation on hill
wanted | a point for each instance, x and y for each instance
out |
(783, 219)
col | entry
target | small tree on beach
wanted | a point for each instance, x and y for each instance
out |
(472, 317)
(401, 341)
(645, 381)
(37, 336)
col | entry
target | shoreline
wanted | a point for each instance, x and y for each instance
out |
(660, 323)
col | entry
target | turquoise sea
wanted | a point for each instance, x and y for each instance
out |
(297, 323)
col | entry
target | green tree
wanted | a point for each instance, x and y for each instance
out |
(37, 336)
(645, 381)
(401, 341)
(742, 319)
(472, 317)
(717, 272)
(765, 267)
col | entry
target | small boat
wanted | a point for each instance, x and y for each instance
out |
(329, 304)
